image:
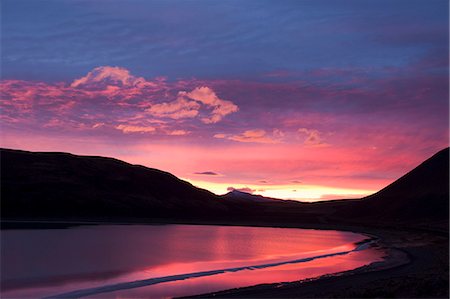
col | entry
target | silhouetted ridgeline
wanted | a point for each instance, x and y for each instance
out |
(60, 184)
(421, 196)
(63, 186)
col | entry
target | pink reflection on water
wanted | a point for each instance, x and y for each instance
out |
(182, 268)
(279, 274)
(38, 263)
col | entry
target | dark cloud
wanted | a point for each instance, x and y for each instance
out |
(206, 173)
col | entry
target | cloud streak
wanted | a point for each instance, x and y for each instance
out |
(206, 173)
(253, 136)
(134, 129)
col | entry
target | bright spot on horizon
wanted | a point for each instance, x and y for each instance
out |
(305, 193)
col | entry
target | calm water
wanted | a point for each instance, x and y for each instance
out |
(168, 260)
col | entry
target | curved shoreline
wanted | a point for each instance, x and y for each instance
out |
(359, 246)
(396, 276)
(416, 265)
(393, 258)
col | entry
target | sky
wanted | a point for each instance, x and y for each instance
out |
(305, 100)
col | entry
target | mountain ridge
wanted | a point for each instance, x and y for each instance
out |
(81, 181)
(420, 194)
(54, 185)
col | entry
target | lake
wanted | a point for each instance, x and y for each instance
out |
(160, 261)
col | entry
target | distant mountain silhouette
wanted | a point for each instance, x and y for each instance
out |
(244, 196)
(64, 186)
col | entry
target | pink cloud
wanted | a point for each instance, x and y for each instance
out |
(180, 108)
(207, 96)
(189, 105)
(106, 76)
(113, 97)
(313, 137)
(399, 121)
(178, 132)
(135, 129)
(256, 136)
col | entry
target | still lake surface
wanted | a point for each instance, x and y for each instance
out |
(160, 261)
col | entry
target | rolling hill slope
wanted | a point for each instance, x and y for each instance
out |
(421, 195)
(64, 186)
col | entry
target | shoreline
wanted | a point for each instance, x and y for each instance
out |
(393, 258)
(365, 244)
(416, 262)
(395, 276)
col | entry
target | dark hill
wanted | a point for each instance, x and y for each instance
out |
(237, 195)
(56, 185)
(64, 186)
(421, 195)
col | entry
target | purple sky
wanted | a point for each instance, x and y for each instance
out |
(296, 99)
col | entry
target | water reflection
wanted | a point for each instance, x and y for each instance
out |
(280, 274)
(49, 262)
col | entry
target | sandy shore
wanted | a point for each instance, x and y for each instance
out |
(416, 266)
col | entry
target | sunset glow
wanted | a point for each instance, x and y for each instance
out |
(315, 106)
(298, 191)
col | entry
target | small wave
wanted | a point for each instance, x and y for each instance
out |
(151, 281)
